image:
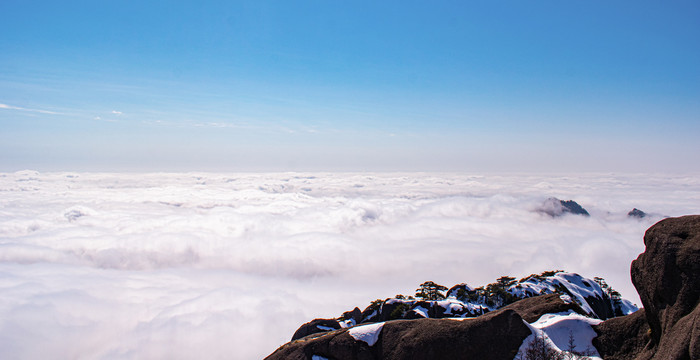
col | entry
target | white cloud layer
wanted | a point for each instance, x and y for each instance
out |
(182, 266)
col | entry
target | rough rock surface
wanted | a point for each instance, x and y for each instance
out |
(355, 315)
(315, 326)
(667, 278)
(496, 335)
(533, 308)
(622, 338)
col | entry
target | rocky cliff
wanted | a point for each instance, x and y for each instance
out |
(667, 277)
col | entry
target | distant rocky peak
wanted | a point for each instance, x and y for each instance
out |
(555, 208)
(636, 213)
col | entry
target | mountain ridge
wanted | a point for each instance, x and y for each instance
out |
(667, 276)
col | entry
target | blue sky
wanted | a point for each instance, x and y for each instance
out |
(327, 85)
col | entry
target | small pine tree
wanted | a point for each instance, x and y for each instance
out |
(497, 294)
(376, 304)
(572, 343)
(505, 281)
(399, 312)
(430, 291)
(601, 282)
(550, 273)
(571, 353)
(613, 295)
(539, 349)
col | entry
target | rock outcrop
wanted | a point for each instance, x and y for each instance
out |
(497, 335)
(316, 326)
(533, 308)
(667, 278)
(465, 301)
(355, 316)
(622, 338)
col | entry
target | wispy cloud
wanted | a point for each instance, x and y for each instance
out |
(10, 107)
(115, 112)
(219, 125)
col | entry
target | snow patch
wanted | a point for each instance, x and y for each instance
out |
(627, 307)
(347, 323)
(566, 298)
(373, 314)
(367, 333)
(556, 330)
(421, 311)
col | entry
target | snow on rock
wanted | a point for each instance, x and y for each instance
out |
(558, 327)
(557, 330)
(347, 323)
(455, 307)
(421, 311)
(592, 295)
(581, 290)
(459, 288)
(370, 316)
(367, 333)
(627, 307)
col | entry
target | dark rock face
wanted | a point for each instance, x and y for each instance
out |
(459, 290)
(497, 335)
(601, 307)
(622, 338)
(531, 309)
(332, 345)
(315, 326)
(667, 277)
(355, 315)
(573, 207)
(492, 336)
(636, 213)
(555, 207)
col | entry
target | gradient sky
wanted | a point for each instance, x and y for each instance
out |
(360, 85)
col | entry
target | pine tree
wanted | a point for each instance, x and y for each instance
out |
(430, 291)
(539, 349)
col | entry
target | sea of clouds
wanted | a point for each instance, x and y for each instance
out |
(209, 266)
